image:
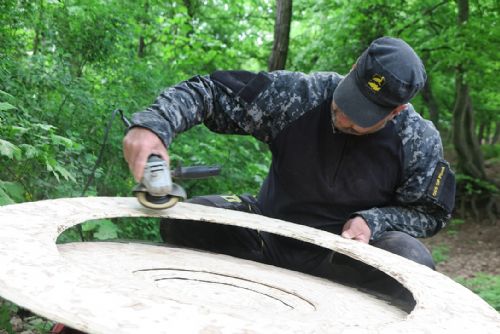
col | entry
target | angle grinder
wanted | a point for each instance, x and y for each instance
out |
(156, 189)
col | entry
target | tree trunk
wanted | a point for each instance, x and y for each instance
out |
(277, 60)
(141, 49)
(486, 130)
(191, 7)
(497, 134)
(470, 158)
(38, 29)
(431, 102)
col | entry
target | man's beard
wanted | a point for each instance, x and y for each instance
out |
(337, 129)
(349, 131)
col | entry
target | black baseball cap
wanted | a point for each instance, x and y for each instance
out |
(388, 74)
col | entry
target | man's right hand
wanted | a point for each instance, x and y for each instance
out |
(138, 145)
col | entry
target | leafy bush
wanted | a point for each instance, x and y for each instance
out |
(244, 161)
(6, 309)
(473, 186)
(28, 148)
(491, 152)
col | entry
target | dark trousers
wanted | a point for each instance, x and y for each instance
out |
(291, 253)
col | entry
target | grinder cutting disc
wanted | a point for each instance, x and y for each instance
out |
(154, 202)
(156, 190)
(159, 202)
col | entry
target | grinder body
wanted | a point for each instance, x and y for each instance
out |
(156, 190)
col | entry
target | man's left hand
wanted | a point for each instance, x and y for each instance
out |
(357, 229)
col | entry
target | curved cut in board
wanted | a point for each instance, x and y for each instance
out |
(134, 288)
(228, 285)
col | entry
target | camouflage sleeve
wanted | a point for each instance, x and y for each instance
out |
(236, 102)
(179, 108)
(424, 201)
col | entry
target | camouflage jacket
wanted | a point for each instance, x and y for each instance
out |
(264, 104)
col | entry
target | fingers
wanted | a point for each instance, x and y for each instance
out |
(137, 164)
(357, 229)
(359, 237)
(138, 145)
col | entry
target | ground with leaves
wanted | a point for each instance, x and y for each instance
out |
(470, 253)
(467, 250)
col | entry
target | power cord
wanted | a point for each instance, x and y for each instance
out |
(100, 156)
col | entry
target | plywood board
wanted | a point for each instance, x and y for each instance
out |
(133, 288)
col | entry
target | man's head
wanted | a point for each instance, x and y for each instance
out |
(386, 76)
(344, 124)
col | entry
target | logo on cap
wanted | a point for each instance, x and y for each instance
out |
(376, 83)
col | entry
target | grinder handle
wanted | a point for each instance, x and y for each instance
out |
(195, 172)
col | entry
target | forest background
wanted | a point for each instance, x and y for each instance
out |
(66, 65)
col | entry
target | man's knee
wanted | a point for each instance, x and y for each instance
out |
(406, 246)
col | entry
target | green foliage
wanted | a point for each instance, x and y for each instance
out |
(145, 229)
(70, 63)
(454, 226)
(27, 148)
(6, 309)
(82, 59)
(440, 253)
(491, 152)
(70, 235)
(30, 323)
(138, 229)
(486, 286)
(37, 324)
(231, 152)
(11, 192)
(100, 229)
(65, 65)
(474, 186)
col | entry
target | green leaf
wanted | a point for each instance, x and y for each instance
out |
(18, 130)
(58, 169)
(6, 106)
(29, 150)
(5, 93)
(45, 127)
(9, 150)
(5, 318)
(14, 190)
(107, 230)
(4, 200)
(90, 226)
(62, 140)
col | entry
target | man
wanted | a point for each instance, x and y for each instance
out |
(349, 156)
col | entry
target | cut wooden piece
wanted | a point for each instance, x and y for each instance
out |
(134, 288)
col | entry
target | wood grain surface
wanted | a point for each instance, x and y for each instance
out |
(111, 287)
